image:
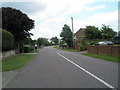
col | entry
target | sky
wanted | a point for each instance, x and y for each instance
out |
(51, 15)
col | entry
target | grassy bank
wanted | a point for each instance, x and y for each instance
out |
(104, 57)
(66, 49)
(69, 50)
(16, 62)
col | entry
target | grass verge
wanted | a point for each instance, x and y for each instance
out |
(56, 47)
(66, 49)
(16, 62)
(69, 50)
(35, 51)
(104, 57)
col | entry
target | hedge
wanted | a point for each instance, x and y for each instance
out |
(28, 49)
(83, 48)
(7, 40)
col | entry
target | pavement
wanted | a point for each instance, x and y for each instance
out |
(7, 77)
(54, 68)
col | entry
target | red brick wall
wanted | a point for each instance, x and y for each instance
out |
(105, 50)
(80, 33)
(77, 45)
(78, 41)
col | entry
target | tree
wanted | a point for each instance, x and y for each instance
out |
(54, 40)
(40, 41)
(67, 35)
(16, 22)
(43, 41)
(29, 41)
(107, 32)
(92, 32)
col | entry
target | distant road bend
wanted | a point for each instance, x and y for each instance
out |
(54, 68)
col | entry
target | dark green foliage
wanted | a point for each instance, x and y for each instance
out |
(40, 41)
(28, 49)
(43, 42)
(54, 40)
(92, 32)
(67, 35)
(17, 23)
(83, 48)
(7, 40)
(116, 40)
(107, 32)
(29, 41)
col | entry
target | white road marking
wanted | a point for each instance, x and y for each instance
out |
(96, 77)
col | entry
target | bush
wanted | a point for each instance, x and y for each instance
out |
(7, 40)
(28, 49)
(83, 48)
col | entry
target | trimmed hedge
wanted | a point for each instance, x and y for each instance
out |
(7, 40)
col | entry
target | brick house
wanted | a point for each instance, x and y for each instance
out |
(77, 38)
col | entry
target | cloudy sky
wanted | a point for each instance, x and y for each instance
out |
(51, 15)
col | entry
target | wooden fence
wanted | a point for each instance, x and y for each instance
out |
(104, 50)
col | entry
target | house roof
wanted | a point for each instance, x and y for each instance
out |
(79, 31)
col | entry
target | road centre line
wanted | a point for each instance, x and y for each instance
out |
(96, 77)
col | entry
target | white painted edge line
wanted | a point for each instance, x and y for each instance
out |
(102, 81)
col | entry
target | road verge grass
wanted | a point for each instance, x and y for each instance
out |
(16, 62)
(66, 49)
(104, 57)
(69, 50)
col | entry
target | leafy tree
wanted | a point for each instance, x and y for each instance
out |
(40, 41)
(43, 41)
(16, 22)
(29, 41)
(67, 35)
(92, 32)
(46, 42)
(107, 32)
(54, 40)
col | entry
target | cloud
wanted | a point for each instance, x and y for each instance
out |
(108, 18)
(104, 17)
(55, 15)
(51, 15)
(55, 0)
(26, 7)
(95, 8)
(58, 8)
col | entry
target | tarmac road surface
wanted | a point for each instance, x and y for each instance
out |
(54, 68)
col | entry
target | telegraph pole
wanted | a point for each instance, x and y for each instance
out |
(72, 30)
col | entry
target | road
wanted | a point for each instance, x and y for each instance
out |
(54, 68)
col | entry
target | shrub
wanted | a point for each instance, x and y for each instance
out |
(28, 49)
(83, 48)
(7, 40)
(31, 48)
